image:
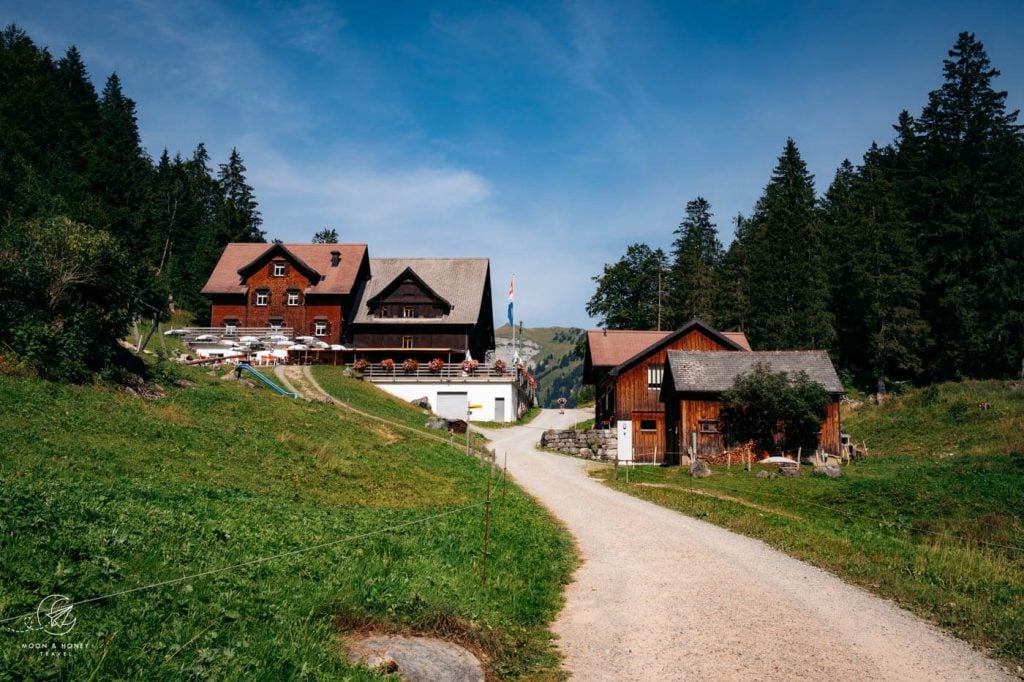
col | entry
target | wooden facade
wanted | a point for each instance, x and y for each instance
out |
(631, 390)
(693, 385)
(425, 308)
(695, 419)
(310, 288)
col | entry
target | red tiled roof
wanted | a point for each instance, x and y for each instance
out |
(739, 338)
(610, 348)
(334, 280)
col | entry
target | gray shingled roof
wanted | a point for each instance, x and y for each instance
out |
(460, 281)
(700, 372)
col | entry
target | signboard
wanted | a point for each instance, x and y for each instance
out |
(625, 440)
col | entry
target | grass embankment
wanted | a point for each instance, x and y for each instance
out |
(934, 519)
(364, 396)
(103, 492)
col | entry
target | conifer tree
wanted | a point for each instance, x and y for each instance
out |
(788, 284)
(886, 333)
(120, 169)
(696, 254)
(240, 217)
(967, 210)
(732, 303)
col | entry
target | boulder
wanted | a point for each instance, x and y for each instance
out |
(789, 471)
(700, 469)
(421, 402)
(830, 470)
(437, 423)
(764, 474)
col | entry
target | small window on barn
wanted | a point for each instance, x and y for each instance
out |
(408, 311)
(406, 342)
(293, 297)
(654, 376)
(276, 323)
(709, 426)
(280, 268)
(648, 425)
(263, 297)
(320, 327)
(230, 325)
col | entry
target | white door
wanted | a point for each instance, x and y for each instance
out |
(452, 405)
(499, 409)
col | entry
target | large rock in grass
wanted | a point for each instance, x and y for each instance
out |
(830, 470)
(764, 474)
(437, 423)
(789, 471)
(700, 469)
(418, 659)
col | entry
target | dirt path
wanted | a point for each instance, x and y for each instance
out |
(661, 596)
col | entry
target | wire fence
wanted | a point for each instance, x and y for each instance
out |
(264, 559)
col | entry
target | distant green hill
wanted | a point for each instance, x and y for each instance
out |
(548, 353)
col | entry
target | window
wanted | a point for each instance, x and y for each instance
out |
(648, 425)
(384, 311)
(709, 426)
(319, 327)
(293, 298)
(654, 376)
(230, 325)
(406, 342)
(280, 268)
(263, 297)
(408, 311)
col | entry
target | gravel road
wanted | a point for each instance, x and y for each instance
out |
(661, 596)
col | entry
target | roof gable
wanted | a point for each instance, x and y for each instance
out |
(342, 278)
(696, 324)
(280, 251)
(700, 372)
(403, 277)
(463, 283)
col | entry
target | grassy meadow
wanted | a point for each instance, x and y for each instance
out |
(933, 518)
(103, 492)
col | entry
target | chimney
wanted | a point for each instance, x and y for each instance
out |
(335, 258)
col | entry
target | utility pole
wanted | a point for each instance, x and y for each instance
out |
(660, 295)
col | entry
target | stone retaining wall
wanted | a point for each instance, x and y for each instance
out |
(599, 444)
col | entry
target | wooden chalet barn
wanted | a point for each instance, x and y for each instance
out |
(425, 308)
(694, 383)
(626, 368)
(310, 288)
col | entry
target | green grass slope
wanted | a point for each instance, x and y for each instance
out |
(933, 519)
(557, 371)
(104, 492)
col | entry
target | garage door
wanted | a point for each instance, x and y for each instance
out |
(452, 405)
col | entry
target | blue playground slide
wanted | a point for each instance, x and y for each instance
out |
(268, 382)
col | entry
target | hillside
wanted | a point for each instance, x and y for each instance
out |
(548, 352)
(104, 492)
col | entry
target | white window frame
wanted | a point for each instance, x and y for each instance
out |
(262, 298)
(319, 327)
(655, 375)
(293, 298)
(280, 269)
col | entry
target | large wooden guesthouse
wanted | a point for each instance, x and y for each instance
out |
(311, 289)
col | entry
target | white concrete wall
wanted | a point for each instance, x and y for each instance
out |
(477, 394)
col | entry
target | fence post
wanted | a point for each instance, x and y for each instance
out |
(487, 527)
(616, 477)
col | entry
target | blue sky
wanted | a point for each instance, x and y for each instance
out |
(546, 136)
